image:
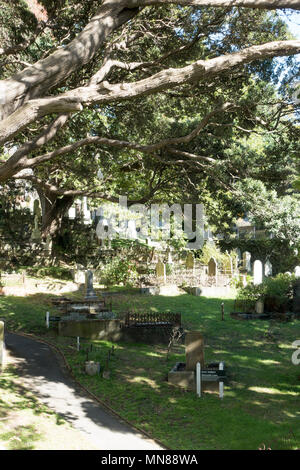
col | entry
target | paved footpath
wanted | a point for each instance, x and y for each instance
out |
(41, 372)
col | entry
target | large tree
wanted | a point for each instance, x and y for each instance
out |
(160, 87)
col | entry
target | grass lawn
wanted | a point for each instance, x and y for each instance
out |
(262, 398)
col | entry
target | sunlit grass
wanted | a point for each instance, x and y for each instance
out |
(261, 403)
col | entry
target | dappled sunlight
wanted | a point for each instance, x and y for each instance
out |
(271, 391)
(262, 388)
(268, 362)
(144, 381)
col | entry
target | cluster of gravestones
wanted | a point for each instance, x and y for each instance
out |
(261, 270)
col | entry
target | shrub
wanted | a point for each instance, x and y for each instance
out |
(277, 292)
(118, 271)
(56, 272)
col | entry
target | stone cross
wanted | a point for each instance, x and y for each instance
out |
(194, 350)
(90, 293)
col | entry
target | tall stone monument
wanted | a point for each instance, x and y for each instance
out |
(90, 293)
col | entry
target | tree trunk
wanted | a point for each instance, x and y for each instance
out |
(53, 210)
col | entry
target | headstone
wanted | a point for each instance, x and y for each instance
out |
(161, 270)
(268, 268)
(80, 276)
(190, 261)
(90, 293)
(257, 272)
(247, 261)
(1, 344)
(212, 267)
(92, 367)
(297, 271)
(194, 350)
(229, 266)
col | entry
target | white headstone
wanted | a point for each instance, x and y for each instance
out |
(268, 268)
(257, 272)
(247, 261)
(297, 271)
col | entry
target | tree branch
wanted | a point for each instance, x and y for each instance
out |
(165, 79)
(257, 4)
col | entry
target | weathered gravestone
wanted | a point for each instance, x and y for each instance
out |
(1, 344)
(194, 350)
(229, 265)
(90, 293)
(268, 268)
(161, 270)
(212, 267)
(92, 367)
(190, 261)
(247, 261)
(257, 272)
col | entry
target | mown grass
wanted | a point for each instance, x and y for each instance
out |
(261, 403)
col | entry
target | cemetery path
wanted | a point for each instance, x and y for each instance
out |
(40, 371)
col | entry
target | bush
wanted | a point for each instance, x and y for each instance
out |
(279, 292)
(276, 292)
(118, 271)
(56, 272)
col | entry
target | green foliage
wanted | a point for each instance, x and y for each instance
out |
(210, 250)
(276, 292)
(57, 272)
(251, 293)
(117, 271)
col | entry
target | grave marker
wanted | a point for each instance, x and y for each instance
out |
(257, 272)
(212, 267)
(161, 270)
(268, 268)
(90, 293)
(247, 261)
(297, 271)
(190, 261)
(194, 350)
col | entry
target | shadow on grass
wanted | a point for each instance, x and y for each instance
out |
(261, 399)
